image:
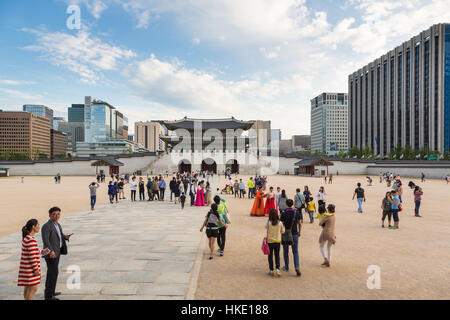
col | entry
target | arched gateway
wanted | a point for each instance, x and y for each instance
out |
(209, 165)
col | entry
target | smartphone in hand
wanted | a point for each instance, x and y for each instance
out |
(45, 252)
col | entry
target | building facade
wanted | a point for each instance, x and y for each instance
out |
(58, 143)
(40, 110)
(75, 133)
(148, 134)
(329, 123)
(403, 97)
(25, 132)
(76, 113)
(56, 121)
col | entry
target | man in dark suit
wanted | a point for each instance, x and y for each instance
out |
(54, 239)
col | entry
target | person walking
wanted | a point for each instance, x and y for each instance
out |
(387, 209)
(177, 191)
(306, 193)
(399, 190)
(327, 235)
(417, 200)
(172, 184)
(133, 187)
(162, 188)
(141, 189)
(321, 196)
(222, 209)
(116, 189)
(93, 192)
(182, 200)
(330, 179)
(422, 177)
(292, 221)
(275, 229)
(311, 208)
(212, 227)
(149, 189)
(236, 188)
(30, 260)
(54, 239)
(360, 197)
(208, 194)
(395, 202)
(299, 203)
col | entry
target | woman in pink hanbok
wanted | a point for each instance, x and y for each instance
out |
(200, 198)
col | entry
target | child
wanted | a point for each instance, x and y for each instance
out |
(183, 200)
(322, 213)
(311, 209)
(111, 191)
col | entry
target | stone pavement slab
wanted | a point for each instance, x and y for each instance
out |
(140, 250)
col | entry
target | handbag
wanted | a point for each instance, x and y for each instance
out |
(400, 208)
(265, 243)
(286, 237)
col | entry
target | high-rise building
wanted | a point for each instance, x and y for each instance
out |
(56, 121)
(148, 135)
(75, 133)
(76, 113)
(99, 120)
(121, 125)
(40, 110)
(403, 97)
(329, 122)
(25, 132)
(58, 143)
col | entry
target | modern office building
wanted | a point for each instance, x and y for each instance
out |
(25, 132)
(301, 143)
(58, 143)
(149, 133)
(121, 125)
(75, 133)
(40, 110)
(76, 113)
(403, 97)
(56, 121)
(329, 123)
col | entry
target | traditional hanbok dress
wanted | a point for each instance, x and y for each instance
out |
(258, 205)
(270, 203)
(200, 198)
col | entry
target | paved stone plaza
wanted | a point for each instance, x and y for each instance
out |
(141, 250)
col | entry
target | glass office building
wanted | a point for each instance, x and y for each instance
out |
(76, 113)
(403, 97)
(40, 110)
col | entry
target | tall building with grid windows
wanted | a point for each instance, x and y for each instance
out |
(403, 97)
(329, 123)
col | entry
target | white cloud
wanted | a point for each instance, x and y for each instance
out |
(270, 54)
(95, 7)
(24, 96)
(15, 82)
(80, 53)
(196, 41)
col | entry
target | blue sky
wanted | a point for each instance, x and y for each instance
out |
(155, 59)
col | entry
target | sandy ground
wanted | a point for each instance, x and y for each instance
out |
(414, 260)
(32, 199)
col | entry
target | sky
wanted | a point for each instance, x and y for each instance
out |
(163, 60)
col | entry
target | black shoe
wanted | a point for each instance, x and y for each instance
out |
(298, 272)
(57, 294)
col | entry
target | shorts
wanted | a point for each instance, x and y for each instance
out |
(395, 215)
(212, 233)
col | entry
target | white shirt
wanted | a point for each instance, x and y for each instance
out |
(321, 195)
(133, 185)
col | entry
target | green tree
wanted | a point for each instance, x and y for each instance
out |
(354, 151)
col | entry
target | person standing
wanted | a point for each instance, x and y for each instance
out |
(141, 189)
(299, 203)
(258, 204)
(116, 188)
(241, 189)
(274, 231)
(193, 191)
(93, 192)
(121, 184)
(311, 208)
(177, 190)
(321, 196)
(360, 197)
(423, 177)
(270, 201)
(236, 188)
(306, 194)
(277, 198)
(251, 188)
(395, 202)
(149, 189)
(327, 235)
(387, 209)
(182, 200)
(30, 260)
(162, 188)
(172, 184)
(400, 190)
(208, 194)
(330, 179)
(282, 202)
(111, 191)
(417, 199)
(200, 197)
(155, 189)
(291, 220)
(133, 187)
(54, 239)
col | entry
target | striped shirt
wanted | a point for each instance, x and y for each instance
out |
(30, 262)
